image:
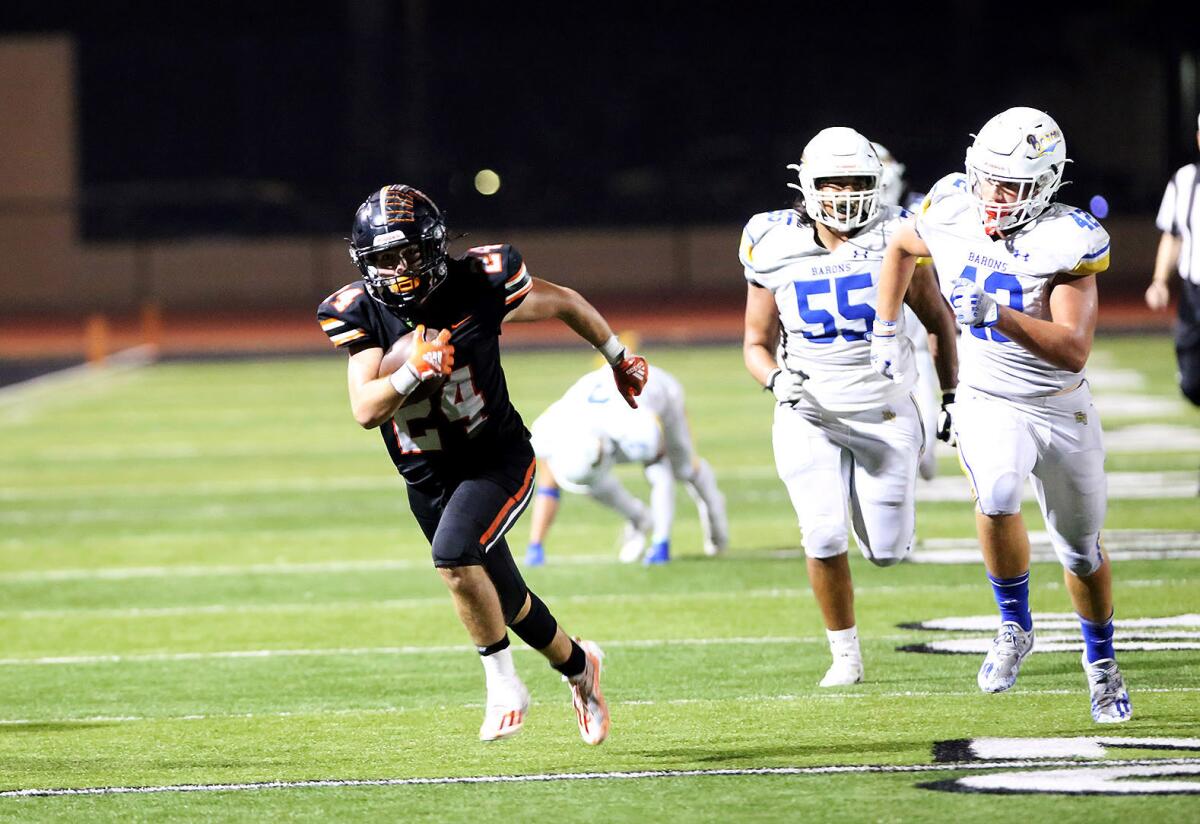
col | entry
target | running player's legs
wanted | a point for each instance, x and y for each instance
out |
(1073, 493)
(885, 446)
(814, 470)
(998, 446)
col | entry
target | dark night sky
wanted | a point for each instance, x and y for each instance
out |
(266, 117)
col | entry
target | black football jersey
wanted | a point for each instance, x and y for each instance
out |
(472, 414)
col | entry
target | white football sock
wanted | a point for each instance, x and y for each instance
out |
(498, 667)
(843, 643)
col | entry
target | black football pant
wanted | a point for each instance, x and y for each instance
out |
(1187, 341)
(465, 516)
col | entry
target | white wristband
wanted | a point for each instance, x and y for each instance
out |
(612, 350)
(404, 380)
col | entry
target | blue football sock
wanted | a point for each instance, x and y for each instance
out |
(1012, 596)
(1097, 639)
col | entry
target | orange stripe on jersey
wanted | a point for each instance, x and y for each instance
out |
(347, 337)
(332, 323)
(520, 274)
(519, 293)
(509, 504)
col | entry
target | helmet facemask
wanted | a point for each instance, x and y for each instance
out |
(844, 158)
(1032, 196)
(843, 203)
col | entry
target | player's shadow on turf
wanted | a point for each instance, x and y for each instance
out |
(54, 726)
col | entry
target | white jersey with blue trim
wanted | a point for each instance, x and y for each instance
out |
(593, 405)
(1017, 271)
(826, 301)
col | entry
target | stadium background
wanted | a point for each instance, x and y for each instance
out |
(189, 173)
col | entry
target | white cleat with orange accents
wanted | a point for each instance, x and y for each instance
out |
(507, 705)
(590, 708)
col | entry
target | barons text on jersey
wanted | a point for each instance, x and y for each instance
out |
(472, 416)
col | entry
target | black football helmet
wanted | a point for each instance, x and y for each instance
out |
(399, 244)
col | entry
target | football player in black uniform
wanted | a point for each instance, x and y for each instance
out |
(459, 443)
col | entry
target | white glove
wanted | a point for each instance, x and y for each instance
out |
(945, 430)
(885, 350)
(972, 306)
(786, 385)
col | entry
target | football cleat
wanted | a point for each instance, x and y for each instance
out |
(660, 553)
(1110, 699)
(1003, 662)
(634, 537)
(507, 705)
(535, 555)
(844, 671)
(591, 711)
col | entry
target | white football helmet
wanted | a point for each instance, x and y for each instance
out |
(1022, 147)
(891, 187)
(839, 152)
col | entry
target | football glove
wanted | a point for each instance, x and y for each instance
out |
(945, 430)
(786, 385)
(429, 359)
(885, 350)
(630, 374)
(972, 306)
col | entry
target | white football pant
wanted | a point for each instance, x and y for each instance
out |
(1058, 440)
(868, 459)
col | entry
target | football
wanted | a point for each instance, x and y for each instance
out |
(396, 357)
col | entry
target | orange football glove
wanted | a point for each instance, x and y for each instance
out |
(631, 373)
(431, 358)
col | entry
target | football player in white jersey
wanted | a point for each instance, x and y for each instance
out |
(842, 433)
(583, 434)
(1020, 271)
(937, 421)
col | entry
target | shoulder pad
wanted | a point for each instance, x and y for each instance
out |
(504, 269)
(945, 201)
(949, 186)
(1084, 242)
(344, 316)
(772, 239)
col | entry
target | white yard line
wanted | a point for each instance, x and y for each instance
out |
(829, 769)
(307, 607)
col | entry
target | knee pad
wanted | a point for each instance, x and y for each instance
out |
(825, 541)
(1081, 558)
(538, 627)
(889, 560)
(453, 553)
(1003, 496)
(510, 586)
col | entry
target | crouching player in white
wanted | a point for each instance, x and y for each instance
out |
(581, 436)
(841, 432)
(1020, 271)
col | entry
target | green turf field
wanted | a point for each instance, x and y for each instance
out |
(209, 576)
